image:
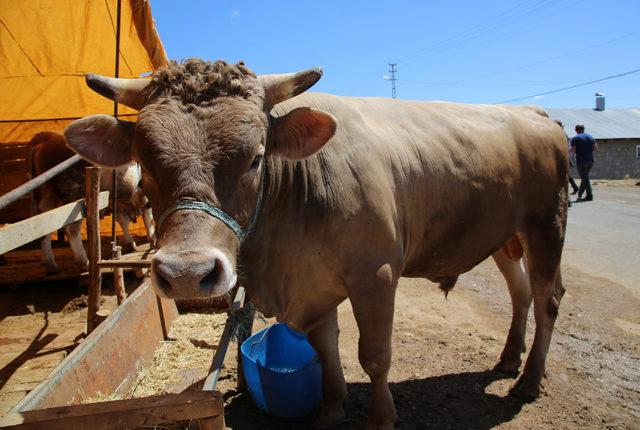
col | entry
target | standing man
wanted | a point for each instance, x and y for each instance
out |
(583, 145)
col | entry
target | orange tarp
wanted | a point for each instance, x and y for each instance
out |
(46, 48)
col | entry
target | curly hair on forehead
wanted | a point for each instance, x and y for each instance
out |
(199, 82)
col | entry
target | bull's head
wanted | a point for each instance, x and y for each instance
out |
(201, 137)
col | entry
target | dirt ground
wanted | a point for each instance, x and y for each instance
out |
(39, 326)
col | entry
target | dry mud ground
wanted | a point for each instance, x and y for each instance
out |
(444, 350)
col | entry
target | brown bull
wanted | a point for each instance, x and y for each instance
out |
(48, 149)
(322, 198)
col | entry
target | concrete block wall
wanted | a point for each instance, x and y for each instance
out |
(615, 159)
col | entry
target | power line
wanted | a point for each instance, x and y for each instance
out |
(525, 66)
(557, 57)
(458, 85)
(459, 35)
(477, 37)
(476, 32)
(571, 87)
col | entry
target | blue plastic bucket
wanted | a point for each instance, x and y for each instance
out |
(283, 372)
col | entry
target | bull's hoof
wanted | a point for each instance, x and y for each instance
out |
(328, 415)
(526, 389)
(380, 426)
(83, 264)
(508, 367)
(51, 269)
(130, 247)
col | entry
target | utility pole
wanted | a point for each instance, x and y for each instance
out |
(392, 72)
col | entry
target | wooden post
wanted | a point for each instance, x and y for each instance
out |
(92, 188)
(102, 315)
(118, 274)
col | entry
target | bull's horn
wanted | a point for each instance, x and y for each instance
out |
(278, 88)
(128, 92)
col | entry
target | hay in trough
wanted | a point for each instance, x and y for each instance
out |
(180, 363)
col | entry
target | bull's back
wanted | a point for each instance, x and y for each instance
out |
(450, 182)
(44, 151)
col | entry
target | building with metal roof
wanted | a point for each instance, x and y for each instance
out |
(617, 133)
(605, 124)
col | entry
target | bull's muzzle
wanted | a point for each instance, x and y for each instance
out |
(193, 273)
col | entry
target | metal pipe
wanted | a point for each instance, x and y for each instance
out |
(114, 185)
(15, 194)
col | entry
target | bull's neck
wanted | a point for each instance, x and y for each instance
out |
(293, 189)
(292, 196)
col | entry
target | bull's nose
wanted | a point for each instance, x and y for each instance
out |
(192, 274)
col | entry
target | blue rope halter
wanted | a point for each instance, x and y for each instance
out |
(189, 203)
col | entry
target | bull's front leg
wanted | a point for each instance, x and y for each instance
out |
(373, 304)
(324, 339)
(147, 219)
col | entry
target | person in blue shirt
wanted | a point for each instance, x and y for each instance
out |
(583, 145)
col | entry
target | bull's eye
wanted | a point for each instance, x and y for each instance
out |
(256, 162)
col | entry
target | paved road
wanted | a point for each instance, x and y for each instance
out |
(603, 236)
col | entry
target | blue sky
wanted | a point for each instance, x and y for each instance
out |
(468, 51)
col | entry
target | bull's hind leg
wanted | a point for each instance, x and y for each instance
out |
(48, 260)
(543, 247)
(520, 292)
(324, 339)
(373, 304)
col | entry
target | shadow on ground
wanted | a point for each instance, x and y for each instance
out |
(454, 401)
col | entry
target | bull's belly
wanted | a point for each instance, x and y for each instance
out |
(443, 262)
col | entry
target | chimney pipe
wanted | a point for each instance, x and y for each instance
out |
(599, 101)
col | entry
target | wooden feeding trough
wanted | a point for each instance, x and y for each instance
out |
(111, 353)
(115, 347)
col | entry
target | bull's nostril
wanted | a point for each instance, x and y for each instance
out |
(212, 278)
(163, 283)
(161, 276)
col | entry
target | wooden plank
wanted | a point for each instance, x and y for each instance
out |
(13, 151)
(15, 235)
(140, 259)
(118, 275)
(216, 423)
(120, 414)
(12, 174)
(223, 344)
(111, 354)
(243, 333)
(140, 264)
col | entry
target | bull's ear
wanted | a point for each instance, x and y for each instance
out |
(301, 133)
(101, 139)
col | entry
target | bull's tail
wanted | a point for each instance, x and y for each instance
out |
(447, 284)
